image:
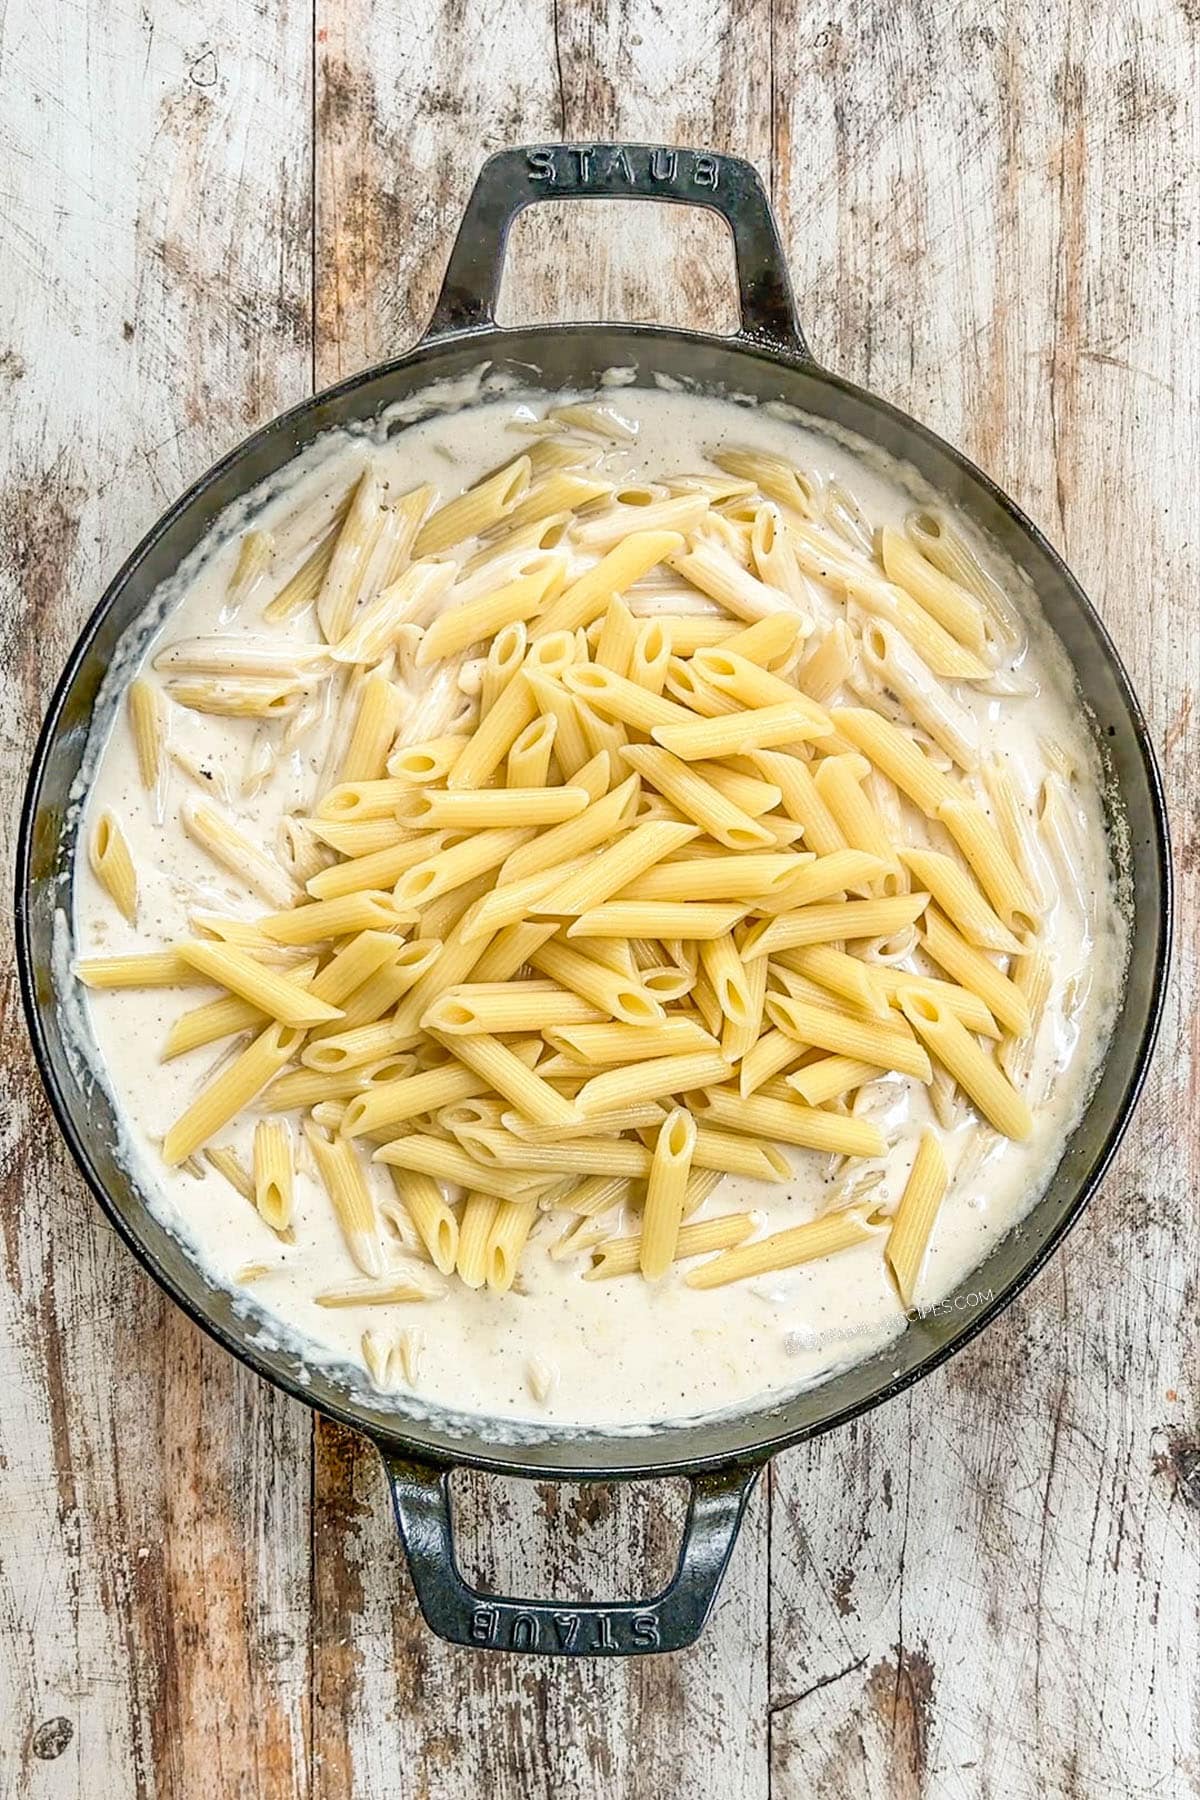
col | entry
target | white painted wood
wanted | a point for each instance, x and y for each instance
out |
(153, 1497)
(992, 1585)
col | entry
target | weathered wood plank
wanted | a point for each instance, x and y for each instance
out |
(990, 1587)
(397, 153)
(153, 1497)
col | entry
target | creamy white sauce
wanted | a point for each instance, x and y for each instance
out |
(618, 1354)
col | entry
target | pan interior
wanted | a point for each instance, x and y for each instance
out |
(551, 360)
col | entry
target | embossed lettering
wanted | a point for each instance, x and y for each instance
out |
(705, 172)
(619, 165)
(663, 164)
(645, 1630)
(567, 1626)
(604, 1636)
(483, 1624)
(524, 1634)
(539, 165)
(583, 162)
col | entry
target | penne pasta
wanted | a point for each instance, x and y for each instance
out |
(974, 1070)
(786, 1249)
(884, 1044)
(665, 1191)
(274, 1173)
(648, 1080)
(234, 1088)
(913, 1220)
(112, 865)
(622, 1256)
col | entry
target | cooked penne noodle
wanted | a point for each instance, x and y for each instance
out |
(622, 999)
(826, 666)
(750, 877)
(665, 1190)
(651, 654)
(711, 569)
(914, 1218)
(507, 1006)
(1033, 977)
(528, 764)
(112, 865)
(839, 782)
(974, 1070)
(319, 919)
(155, 968)
(508, 1075)
(773, 1052)
(227, 1163)
(758, 728)
(237, 853)
(375, 871)
(227, 1093)
(633, 918)
(887, 1045)
(1014, 821)
(682, 513)
(964, 1004)
(992, 866)
(897, 756)
(777, 479)
(474, 1233)
(617, 570)
(960, 899)
(375, 726)
(272, 993)
(356, 539)
(447, 1161)
(492, 808)
(506, 1240)
(394, 1288)
(602, 821)
(434, 1222)
(953, 608)
(452, 868)
(801, 800)
(476, 511)
(418, 765)
(617, 1088)
(792, 1123)
(302, 588)
(972, 969)
(832, 921)
(514, 1159)
(460, 626)
(846, 976)
(148, 725)
(786, 1249)
(274, 1172)
(696, 797)
(830, 1077)
(238, 695)
(614, 646)
(622, 1256)
(617, 697)
(614, 868)
(894, 663)
(605, 1044)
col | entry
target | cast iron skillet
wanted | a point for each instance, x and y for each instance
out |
(767, 359)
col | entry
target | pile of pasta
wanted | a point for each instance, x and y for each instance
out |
(673, 889)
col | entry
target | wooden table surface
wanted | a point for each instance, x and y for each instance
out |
(987, 1588)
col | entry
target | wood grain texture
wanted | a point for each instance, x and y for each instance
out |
(154, 1542)
(990, 1587)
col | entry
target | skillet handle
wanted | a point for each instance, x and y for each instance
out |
(463, 1615)
(514, 179)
